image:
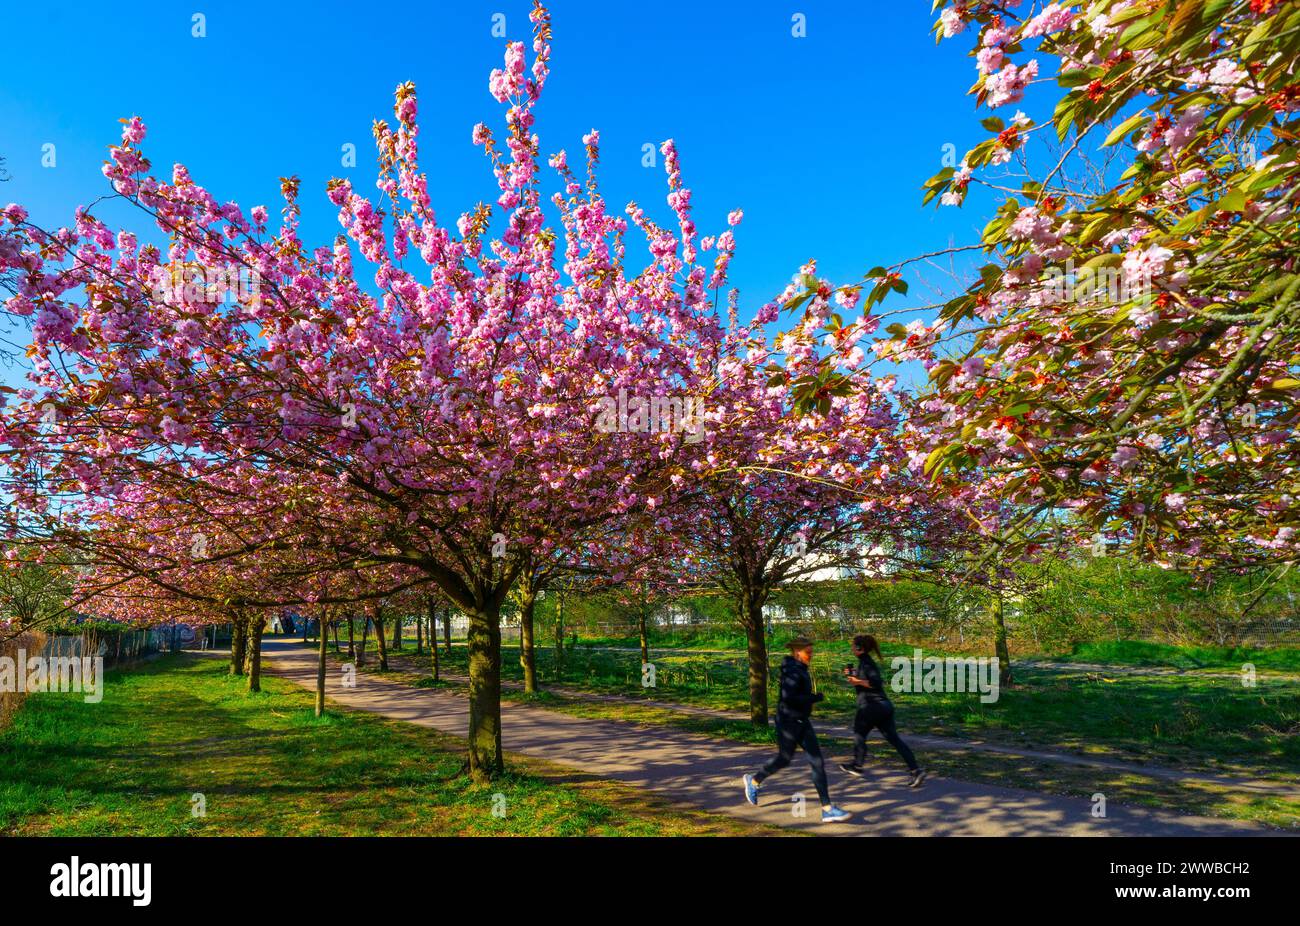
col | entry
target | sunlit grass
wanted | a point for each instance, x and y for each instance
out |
(264, 765)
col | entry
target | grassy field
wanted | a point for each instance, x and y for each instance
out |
(1224, 658)
(265, 765)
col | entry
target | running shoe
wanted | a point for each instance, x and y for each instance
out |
(751, 789)
(854, 769)
(833, 814)
(917, 778)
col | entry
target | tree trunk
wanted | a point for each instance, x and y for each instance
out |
(431, 608)
(645, 636)
(238, 645)
(334, 626)
(419, 635)
(365, 634)
(322, 640)
(751, 617)
(446, 627)
(352, 643)
(379, 638)
(527, 650)
(1000, 637)
(397, 633)
(559, 636)
(254, 669)
(485, 760)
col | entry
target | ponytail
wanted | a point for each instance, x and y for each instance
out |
(867, 643)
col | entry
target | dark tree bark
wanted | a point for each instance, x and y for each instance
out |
(379, 639)
(257, 625)
(365, 634)
(643, 630)
(559, 636)
(322, 640)
(431, 610)
(527, 649)
(485, 758)
(1000, 637)
(750, 606)
(238, 644)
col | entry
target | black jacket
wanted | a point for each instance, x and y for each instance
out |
(797, 697)
(868, 671)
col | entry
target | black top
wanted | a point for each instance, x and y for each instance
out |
(797, 697)
(868, 671)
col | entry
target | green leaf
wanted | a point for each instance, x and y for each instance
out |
(933, 458)
(1125, 127)
(1109, 259)
(1185, 21)
(1234, 201)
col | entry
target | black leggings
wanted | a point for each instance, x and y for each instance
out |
(791, 734)
(878, 714)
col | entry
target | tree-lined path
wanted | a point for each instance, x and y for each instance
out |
(705, 772)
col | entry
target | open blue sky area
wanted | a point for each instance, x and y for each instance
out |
(824, 140)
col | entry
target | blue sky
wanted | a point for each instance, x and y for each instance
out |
(824, 140)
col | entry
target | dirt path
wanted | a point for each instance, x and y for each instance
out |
(705, 772)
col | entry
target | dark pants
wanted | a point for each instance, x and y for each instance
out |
(878, 714)
(794, 733)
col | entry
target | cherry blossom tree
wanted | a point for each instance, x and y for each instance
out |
(413, 395)
(783, 490)
(1131, 356)
(1123, 370)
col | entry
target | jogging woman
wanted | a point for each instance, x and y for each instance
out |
(794, 729)
(874, 710)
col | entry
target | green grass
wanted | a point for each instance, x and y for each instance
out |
(674, 639)
(1232, 658)
(265, 765)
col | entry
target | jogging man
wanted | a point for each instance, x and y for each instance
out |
(794, 729)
